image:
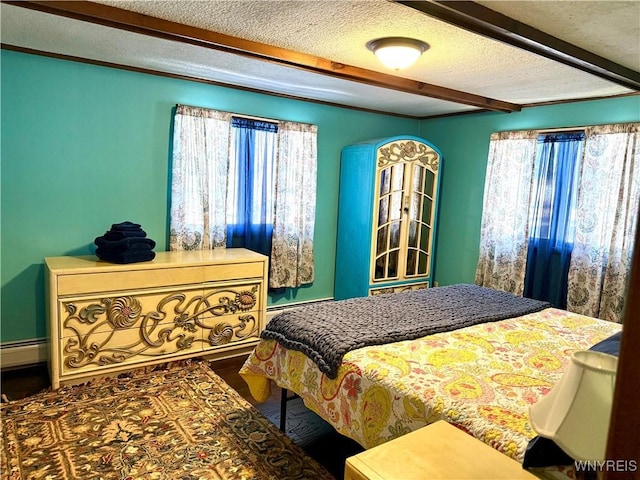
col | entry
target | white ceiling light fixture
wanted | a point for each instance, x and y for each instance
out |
(397, 52)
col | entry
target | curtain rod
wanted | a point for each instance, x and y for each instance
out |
(575, 129)
(250, 117)
(563, 129)
(541, 131)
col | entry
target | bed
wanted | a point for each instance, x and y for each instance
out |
(480, 377)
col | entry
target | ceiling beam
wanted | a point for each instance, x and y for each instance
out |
(152, 26)
(479, 19)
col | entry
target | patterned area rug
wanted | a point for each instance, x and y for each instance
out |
(180, 421)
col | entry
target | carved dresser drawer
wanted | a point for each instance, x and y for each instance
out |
(105, 318)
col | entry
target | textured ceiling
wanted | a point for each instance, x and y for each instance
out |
(610, 29)
(339, 30)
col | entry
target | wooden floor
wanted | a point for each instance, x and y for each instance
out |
(304, 427)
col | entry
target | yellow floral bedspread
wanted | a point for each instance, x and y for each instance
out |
(481, 378)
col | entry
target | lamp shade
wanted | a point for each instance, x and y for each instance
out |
(575, 413)
(397, 52)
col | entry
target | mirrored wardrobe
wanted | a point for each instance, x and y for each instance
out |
(387, 216)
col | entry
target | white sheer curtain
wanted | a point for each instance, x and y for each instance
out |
(200, 195)
(199, 174)
(292, 262)
(605, 218)
(606, 221)
(505, 211)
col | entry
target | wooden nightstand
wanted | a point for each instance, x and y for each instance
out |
(437, 451)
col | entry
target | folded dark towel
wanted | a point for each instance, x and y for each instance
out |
(101, 252)
(124, 245)
(119, 235)
(125, 226)
(128, 257)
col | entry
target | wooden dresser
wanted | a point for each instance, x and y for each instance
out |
(105, 318)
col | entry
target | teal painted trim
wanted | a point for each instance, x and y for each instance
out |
(436, 222)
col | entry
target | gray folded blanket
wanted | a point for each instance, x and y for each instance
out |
(326, 331)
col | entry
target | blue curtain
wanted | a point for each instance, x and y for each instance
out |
(552, 224)
(250, 223)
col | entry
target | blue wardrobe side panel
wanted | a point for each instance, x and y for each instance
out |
(357, 181)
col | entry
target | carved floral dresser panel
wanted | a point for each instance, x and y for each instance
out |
(105, 318)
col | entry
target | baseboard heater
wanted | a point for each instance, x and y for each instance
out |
(23, 353)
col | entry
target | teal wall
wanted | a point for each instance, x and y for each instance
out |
(464, 142)
(86, 146)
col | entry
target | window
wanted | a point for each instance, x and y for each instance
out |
(522, 205)
(552, 224)
(251, 184)
(237, 180)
